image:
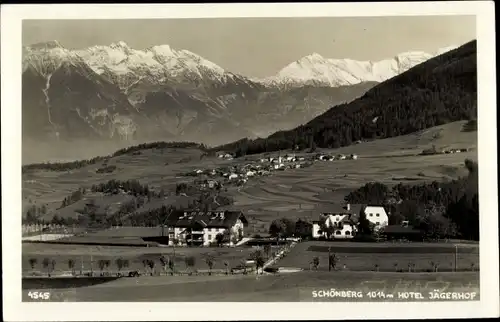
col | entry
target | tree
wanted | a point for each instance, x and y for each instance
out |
(267, 250)
(243, 264)
(315, 262)
(119, 264)
(52, 265)
(171, 265)
(371, 193)
(102, 264)
(364, 226)
(151, 264)
(283, 227)
(46, 265)
(219, 239)
(126, 263)
(333, 259)
(164, 263)
(327, 227)
(33, 262)
(303, 229)
(190, 262)
(410, 266)
(210, 261)
(259, 260)
(71, 266)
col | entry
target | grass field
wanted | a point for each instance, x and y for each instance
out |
(273, 288)
(388, 257)
(83, 253)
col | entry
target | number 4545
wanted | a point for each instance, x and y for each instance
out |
(39, 295)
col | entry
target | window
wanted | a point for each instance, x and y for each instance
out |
(378, 215)
(338, 232)
(348, 233)
(338, 218)
(209, 237)
(371, 215)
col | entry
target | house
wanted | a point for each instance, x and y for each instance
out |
(335, 223)
(377, 215)
(198, 228)
(346, 219)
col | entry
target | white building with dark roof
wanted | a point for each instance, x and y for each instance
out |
(340, 222)
(199, 228)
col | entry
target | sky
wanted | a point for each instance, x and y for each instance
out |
(260, 47)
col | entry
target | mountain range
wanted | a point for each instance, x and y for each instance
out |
(440, 90)
(119, 93)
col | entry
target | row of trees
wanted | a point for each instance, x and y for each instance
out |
(285, 227)
(34, 215)
(438, 91)
(411, 266)
(62, 166)
(160, 145)
(168, 264)
(133, 187)
(74, 197)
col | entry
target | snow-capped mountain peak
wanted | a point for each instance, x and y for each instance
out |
(46, 57)
(126, 65)
(119, 44)
(314, 69)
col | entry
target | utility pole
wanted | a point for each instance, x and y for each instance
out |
(91, 264)
(329, 260)
(456, 257)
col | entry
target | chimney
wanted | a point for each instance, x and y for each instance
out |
(348, 207)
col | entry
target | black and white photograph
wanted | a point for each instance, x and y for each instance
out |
(260, 155)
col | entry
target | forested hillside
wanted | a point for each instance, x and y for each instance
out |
(438, 91)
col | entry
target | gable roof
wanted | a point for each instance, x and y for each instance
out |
(354, 209)
(210, 219)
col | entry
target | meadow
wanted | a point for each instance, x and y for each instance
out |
(89, 256)
(292, 287)
(384, 257)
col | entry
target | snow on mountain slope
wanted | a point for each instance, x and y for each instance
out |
(156, 63)
(47, 57)
(317, 70)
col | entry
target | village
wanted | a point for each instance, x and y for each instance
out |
(238, 175)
